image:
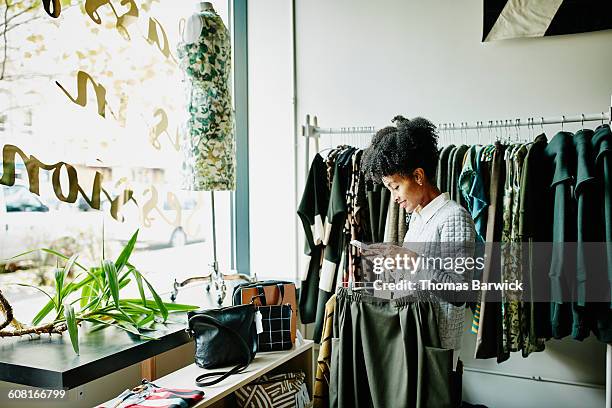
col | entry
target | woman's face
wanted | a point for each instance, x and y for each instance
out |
(406, 191)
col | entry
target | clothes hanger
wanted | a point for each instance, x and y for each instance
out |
(517, 123)
(562, 122)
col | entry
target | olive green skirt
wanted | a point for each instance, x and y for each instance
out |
(386, 353)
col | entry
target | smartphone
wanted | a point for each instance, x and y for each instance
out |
(359, 244)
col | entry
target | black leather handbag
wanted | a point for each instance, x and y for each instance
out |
(223, 337)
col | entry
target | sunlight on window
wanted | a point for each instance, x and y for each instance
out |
(82, 93)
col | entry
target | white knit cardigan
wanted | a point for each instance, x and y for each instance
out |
(444, 221)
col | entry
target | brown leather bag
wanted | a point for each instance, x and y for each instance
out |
(267, 293)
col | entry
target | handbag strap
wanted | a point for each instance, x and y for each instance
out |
(262, 295)
(223, 374)
(281, 289)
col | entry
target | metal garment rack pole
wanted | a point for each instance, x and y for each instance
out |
(609, 346)
(311, 130)
(314, 131)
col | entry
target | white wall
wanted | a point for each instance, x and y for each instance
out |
(360, 63)
(271, 140)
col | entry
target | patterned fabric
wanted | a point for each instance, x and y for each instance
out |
(321, 388)
(391, 228)
(534, 225)
(512, 307)
(149, 395)
(275, 391)
(475, 319)
(208, 143)
(353, 227)
(487, 155)
(276, 322)
(403, 220)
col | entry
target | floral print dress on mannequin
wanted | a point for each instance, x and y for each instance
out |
(208, 143)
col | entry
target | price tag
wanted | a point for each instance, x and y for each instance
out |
(258, 324)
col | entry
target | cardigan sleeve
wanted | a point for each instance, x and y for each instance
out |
(457, 238)
(451, 259)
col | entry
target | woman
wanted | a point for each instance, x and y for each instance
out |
(404, 158)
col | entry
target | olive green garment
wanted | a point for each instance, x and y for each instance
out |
(588, 277)
(387, 354)
(392, 224)
(534, 218)
(455, 191)
(489, 338)
(602, 149)
(378, 201)
(561, 156)
(449, 171)
(442, 175)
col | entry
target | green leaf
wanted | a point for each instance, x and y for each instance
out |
(124, 256)
(22, 254)
(110, 271)
(95, 273)
(171, 307)
(138, 277)
(148, 319)
(71, 287)
(160, 304)
(94, 320)
(39, 289)
(124, 276)
(60, 275)
(73, 330)
(124, 283)
(43, 312)
(62, 256)
(111, 274)
(129, 327)
(79, 300)
(118, 317)
(136, 307)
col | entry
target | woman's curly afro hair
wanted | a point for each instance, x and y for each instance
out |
(401, 149)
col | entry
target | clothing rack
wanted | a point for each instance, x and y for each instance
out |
(311, 130)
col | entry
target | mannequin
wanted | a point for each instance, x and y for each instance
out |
(209, 146)
(193, 25)
(205, 6)
(208, 143)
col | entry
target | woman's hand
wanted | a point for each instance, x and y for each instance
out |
(387, 251)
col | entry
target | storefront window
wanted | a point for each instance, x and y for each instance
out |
(93, 101)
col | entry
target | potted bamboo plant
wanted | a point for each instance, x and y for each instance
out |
(98, 300)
